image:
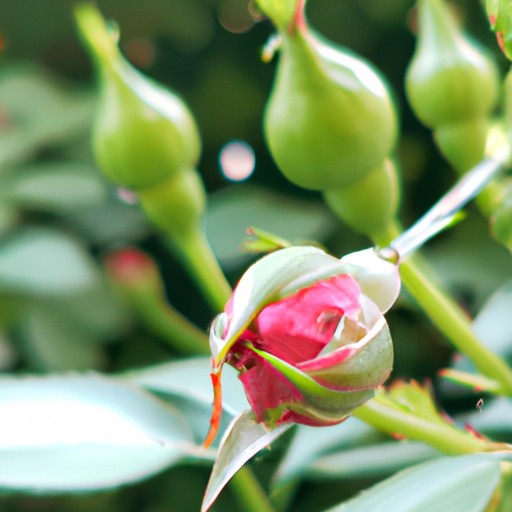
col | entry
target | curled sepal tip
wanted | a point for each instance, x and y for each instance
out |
(376, 271)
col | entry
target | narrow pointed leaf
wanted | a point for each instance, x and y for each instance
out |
(378, 278)
(329, 404)
(242, 441)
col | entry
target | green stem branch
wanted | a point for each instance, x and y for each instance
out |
(450, 319)
(249, 493)
(197, 256)
(443, 437)
(169, 325)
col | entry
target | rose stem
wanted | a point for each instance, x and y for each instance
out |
(451, 320)
(249, 492)
(197, 256)
(455, 325)
(385, 417)
(168, 324)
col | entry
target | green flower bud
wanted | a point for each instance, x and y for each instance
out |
(330, 119)
(143, 134)
(370, 204)
(452, 85)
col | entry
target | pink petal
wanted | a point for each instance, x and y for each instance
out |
(266, 388)
(333, 359)
(296, 328)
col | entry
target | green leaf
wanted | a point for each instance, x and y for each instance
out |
(8, 218)
(187, 386)
(110, 222)
(190, 378)
(57, 186)
(415, 399)
(244, 439)
(262, 242)
(43, 262)
(309, 443)
(51, 342)
(97, 311)
(244, 206)
(83, 433)
(374, 461)
(493, 323)
(478, 383)
(458, 484)
(40, 112)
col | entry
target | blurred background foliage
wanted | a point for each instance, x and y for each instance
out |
(59, 218)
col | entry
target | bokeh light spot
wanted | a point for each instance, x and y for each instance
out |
(127, 196)
(237, 160)
(235, 17)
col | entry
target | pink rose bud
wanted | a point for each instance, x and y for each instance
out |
(306, 334)
(134, 273)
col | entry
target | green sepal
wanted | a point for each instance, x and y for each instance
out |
(319, 402)
(369, 367)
